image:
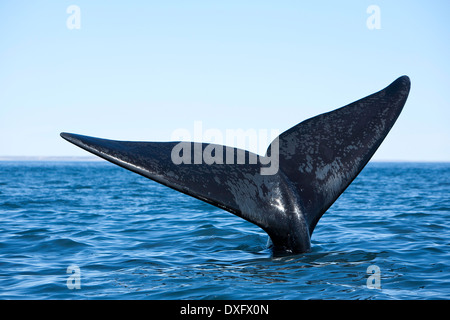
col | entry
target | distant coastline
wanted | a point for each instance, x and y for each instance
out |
(98, 159)
(50, 158)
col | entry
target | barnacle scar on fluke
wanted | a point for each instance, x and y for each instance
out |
(317, 160)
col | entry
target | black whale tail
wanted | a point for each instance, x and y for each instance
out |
(318, 159)
(323, 155)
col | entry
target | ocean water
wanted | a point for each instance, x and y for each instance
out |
(92, 230)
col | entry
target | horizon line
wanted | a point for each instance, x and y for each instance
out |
(98, 159)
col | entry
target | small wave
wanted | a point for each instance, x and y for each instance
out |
(61, 244)
(145, 241)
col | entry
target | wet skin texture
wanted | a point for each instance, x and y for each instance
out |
(318, 159)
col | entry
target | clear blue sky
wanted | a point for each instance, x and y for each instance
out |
(138, 70)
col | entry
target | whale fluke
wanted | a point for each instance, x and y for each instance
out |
(316, 160)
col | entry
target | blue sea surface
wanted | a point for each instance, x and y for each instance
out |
(92, 230)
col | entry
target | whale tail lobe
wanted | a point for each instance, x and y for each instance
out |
(323, 155)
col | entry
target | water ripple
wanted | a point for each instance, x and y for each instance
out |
(135, 239)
